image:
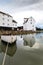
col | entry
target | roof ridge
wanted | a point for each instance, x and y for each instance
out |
(5, 13)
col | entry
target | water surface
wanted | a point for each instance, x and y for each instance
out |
(27, 50)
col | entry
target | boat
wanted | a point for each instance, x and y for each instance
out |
(7, 23)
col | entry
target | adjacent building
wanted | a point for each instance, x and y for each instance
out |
(29, 24)
(7, 22)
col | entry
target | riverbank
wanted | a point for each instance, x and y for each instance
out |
(18, 32)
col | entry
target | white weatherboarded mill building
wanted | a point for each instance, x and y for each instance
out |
(7, 23)
(29, 24)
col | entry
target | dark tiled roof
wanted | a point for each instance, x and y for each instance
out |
(14, 21)
(28, 19)
(5, 14)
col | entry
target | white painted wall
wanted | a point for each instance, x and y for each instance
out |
(29, 25)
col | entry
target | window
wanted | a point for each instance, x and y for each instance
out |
(8, 15)
(30, 22)
(8, 19)
(3, 23)
(3, 18)
(8, 24)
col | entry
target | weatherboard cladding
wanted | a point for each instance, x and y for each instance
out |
(8, 15)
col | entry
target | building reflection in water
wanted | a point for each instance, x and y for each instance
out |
(25, 40)
(11, 48)
(29, 40)
(34, 40)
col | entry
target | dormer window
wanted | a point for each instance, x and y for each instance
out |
(25, 19)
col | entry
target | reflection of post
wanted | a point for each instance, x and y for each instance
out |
(20, 41)
(21, 36)
(5, 55)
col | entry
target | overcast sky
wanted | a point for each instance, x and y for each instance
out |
(23, 8)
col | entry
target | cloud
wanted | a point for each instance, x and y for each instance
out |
(19, 3)
(13, 6)
(24, 2)
(37, 6)
(4, 2)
